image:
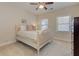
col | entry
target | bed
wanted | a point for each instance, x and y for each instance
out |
(35, 39)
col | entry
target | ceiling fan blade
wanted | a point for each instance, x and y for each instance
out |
(45, 8)
(49, 2)
(34, 3)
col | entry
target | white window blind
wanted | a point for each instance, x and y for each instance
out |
(63, 23)
(44, 24)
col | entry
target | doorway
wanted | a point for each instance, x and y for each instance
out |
(76, 36)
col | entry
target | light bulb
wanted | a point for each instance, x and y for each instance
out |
(41, 6)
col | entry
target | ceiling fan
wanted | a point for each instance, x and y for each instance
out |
(41, 5)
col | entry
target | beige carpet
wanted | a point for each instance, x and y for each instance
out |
(55, 48)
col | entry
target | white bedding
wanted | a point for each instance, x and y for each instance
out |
(33, 36)
(30, 34)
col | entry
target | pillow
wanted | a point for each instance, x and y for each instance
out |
(31, 28)
(17, 28)
(23, 28)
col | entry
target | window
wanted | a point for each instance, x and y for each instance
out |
(63, 23)
(44, 24)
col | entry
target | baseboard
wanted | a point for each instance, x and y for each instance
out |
(55, 38)
(8, 42)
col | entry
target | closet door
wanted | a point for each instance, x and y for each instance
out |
(76, 36)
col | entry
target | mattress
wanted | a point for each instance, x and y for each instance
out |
(33, 36)
(30, 34)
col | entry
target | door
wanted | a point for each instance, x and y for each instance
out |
(76, 36)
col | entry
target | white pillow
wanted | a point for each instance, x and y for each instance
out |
(23, 28)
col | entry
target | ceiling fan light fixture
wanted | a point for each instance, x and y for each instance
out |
(41, 6)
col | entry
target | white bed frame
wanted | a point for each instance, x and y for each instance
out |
(32, 44)
(27, 41)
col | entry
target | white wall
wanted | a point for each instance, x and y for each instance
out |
(10, 16)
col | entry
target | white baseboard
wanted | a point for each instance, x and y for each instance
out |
(63, 39)
(8, 42)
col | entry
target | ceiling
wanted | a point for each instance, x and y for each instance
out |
(32, 8)
(55, 6)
